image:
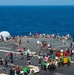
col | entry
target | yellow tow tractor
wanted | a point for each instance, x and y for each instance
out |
(64, 60)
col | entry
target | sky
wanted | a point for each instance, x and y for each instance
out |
(36, 2)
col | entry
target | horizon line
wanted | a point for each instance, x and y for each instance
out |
(36, 5)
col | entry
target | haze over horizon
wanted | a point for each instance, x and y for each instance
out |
(36, 2)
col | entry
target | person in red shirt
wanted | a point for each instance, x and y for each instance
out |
(58, 53)
(36, 34)
(20, 49)
(8, 55)
(67, 53)
(18, 70)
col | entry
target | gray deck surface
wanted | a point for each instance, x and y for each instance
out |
(56, 43)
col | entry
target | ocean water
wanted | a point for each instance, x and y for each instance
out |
(21, 20)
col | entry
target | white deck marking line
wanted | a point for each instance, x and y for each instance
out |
(5, 47)
(1, 50)
(61, 46)
(8, 48)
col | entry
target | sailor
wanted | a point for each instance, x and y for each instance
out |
(38, 42)
(67, 53)
(62, 53)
